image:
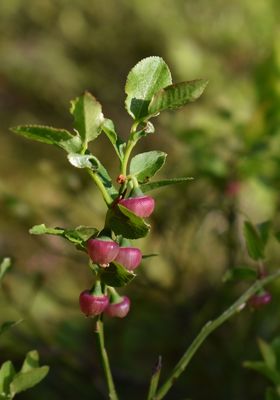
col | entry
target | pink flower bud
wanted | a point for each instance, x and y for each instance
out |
(92, 305)
(120, 309)
(129, 257)
(143, 206)
(259, 300)
(102, 251)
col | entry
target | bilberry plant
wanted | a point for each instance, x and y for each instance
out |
(112, 257)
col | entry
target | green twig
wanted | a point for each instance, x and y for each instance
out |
(108, 199)
(105, 360)
(208, 328)
(130, 145)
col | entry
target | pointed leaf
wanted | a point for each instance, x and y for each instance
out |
(7, 372)
(109, 129)
(124, 222)
(264, 230)
(116, 275)
(177, 95)
(88, 117)
(77, 235)
(145, 165)
(9, 324)
(26, 380)
(83, 161)
(144, 80)
(254, 242)
(4, 266)
(146, 187)
(31, 361)
(267, 353)
(49, 135)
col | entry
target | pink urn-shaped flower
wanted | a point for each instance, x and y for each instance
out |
(118, 309)
(142, 206)
(102, 250)
(129, 257)
(91, 304)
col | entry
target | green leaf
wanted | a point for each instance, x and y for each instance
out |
(4, 266)
(49, 135)
(267, 353)
(177, 95)
(124, 222)
(144, 165)
(144, 131)
(88, 117)
(109, 129)
(31, 361)
(26, 380)
(240, 274)
(77, 235)
(84, 161)
(7, 372)
(264, 230)
(146, 187)
(263, 369)
(107, 181)
(271, 394)
(255, 245)
(116, 275)
(9, 324)
(144, 80)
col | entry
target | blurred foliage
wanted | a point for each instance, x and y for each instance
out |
(51, 51)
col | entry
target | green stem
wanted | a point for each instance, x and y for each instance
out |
(208, 328)
(108, 199)
(105, 360)
(130, 145)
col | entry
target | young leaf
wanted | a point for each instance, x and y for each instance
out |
(177, 95)
(116, 275)
(144, 165)
(144, 80)
(109, 129)
(255, 245)
(107, 181)
(46, 134)
(124, 222)
(7, 372)
(146, 187)
(83, 161)
(77, 235)
(88, 117)
(26, 380)
(31, 361)
(267, 353)
(4, 266)
(8, 324)
(143, 131)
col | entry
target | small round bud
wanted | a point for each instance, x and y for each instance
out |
(121, 179)
(119, 309)
(259, 300)
(102, 250)
(142, 206)
(92, 305)
(129, 257)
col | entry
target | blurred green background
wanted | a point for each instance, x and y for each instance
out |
(50, 52)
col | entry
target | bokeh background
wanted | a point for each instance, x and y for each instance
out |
(50, 52)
